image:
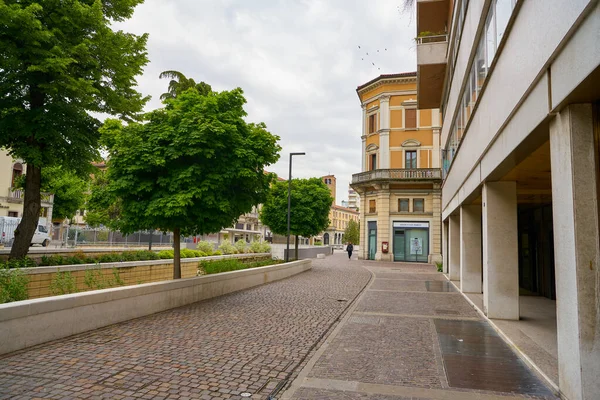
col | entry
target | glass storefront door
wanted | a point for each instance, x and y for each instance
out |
(399, 244)
(411, 241)
(372, 240)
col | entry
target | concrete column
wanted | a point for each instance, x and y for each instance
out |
(445, 259)
(436, 154)
(454, 247)
(384, 132)
(436, 226)
(500, 250)
(470, 249)
(383, 224)
(576, 253)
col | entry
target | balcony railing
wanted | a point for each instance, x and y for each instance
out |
(432, 39)
(18, 195)
(398, 174)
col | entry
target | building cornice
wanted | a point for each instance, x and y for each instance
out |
(409, 77)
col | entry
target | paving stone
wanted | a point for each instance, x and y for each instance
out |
(243, 342)
(321, 394)
(430, 304)
(397, 351)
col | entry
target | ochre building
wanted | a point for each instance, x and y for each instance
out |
(399, 186)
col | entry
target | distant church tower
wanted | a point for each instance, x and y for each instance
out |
(330, 182)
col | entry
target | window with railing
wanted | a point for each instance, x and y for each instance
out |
(495, 27)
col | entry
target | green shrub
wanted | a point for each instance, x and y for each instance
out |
(63, 283)
(165, 254)
(227, 248)
(117, 280)
(240, 246)
(265, 247)
(188, 253)
(218, 266)
(205, 247)
(440, 266)
(20, 263)
(256, 247)
(217, 253)
(13, 284)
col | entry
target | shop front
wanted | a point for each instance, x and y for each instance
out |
(411, 241)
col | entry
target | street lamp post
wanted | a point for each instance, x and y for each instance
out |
(287, 254)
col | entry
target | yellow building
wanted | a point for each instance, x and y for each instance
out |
(11, 199)
(399, 186)
(339, 216)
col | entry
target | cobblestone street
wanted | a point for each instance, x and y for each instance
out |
(249, 341)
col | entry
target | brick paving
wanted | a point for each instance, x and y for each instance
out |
(249, 341)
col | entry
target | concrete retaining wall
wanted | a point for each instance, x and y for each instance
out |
(304, 251)
(31, 322)
(131, 272)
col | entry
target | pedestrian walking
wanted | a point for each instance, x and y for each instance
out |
(349, 249)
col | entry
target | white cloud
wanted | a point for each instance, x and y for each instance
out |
(299, 63)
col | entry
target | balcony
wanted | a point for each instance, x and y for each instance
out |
(17, 196)
(433, 17)
(431, 69)
(420, 174)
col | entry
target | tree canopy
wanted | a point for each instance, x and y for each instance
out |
(60, 61)
(69, 191)
(352, 232)
(310, 204)
(180, 83)
(194, 167)
(103, 207)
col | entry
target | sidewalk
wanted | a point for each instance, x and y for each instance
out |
(410, 335)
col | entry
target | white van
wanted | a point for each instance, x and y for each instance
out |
(7, 232)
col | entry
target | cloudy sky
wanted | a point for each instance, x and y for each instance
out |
(298, 62)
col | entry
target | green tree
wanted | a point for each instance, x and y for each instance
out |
(352, 232)
(194, 167)
(60, 61)
(69, 191)
(103, 207)
(310, 204)
(180, 83)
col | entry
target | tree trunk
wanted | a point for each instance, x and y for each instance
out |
(150, 241)
(296, 248)
(176, 254)
(32, 203)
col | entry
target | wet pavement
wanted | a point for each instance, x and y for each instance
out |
(345, 330)
(411, 335)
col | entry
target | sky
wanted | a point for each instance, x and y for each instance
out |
(298, 61)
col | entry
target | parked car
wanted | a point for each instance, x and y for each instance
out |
(7, 232)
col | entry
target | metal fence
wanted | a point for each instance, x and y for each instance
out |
(73, 236)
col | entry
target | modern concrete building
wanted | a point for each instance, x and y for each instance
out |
(518, 85)
(399, 185)
(353, 199)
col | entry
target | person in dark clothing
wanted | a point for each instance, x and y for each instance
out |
(349, 249)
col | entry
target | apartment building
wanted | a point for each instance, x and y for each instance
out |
(399, 186)
(353, 199)
(517, 83)
(11, 199)
(339, 216)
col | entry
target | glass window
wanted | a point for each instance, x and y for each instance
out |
(418, 205)
(403, 205)
(371, 123)
(490, 38)
(503, 12)
(410, 159)
(481, 67)
(373, 162)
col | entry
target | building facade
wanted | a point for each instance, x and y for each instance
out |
(518, 86)
(353, 199)
(11, 199)
(399, 186)
(339, 217)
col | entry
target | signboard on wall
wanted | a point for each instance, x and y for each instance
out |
(404, 224)
(416, 246)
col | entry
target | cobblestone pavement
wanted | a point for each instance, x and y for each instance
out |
(250, 341)
(410, 335)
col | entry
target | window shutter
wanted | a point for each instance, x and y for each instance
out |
(411, 118)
